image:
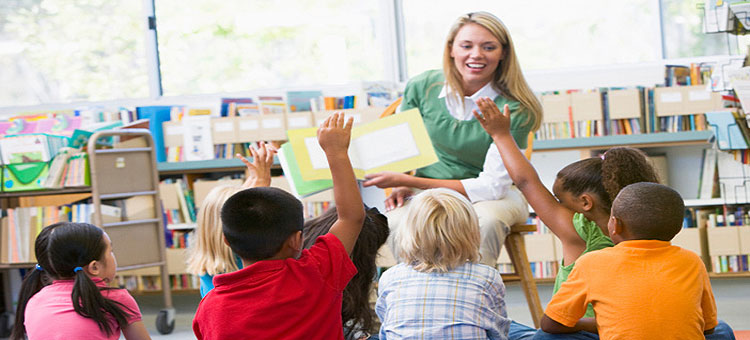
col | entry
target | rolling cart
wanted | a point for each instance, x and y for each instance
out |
(121, 173)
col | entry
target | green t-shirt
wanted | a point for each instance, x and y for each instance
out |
(595, 240)
(461, 145)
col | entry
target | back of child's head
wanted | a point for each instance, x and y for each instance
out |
(440, 232)
(257, 221)
(650, 211)
(209, 254)
(605, 176)
(355, 309)
(63, 250)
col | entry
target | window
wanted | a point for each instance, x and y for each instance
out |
(683, 32)
(547, 34)
(54, 51)
(238, 45)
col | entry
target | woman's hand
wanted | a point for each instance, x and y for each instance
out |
(258, 173)
(495, 123)
(386, 179)
(398, 197)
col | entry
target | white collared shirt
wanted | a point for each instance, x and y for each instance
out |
(494, 181)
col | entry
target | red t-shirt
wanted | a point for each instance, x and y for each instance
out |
(280, 299)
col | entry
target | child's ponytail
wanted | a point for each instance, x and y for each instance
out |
(623, 166)
(34, 281)
(89, 302)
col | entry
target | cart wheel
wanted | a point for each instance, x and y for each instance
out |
(165, 321)
(6, 320)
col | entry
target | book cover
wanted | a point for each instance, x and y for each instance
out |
(300, 100)
(728, 134)
(156, 116)
(395, 143)
(197, 138)
(299, 186)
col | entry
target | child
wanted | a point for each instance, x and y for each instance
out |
(79, 258)
(284, 292)
(579, 210)
(356, 313)
(440, 291)
(644, 287)
(209, 255)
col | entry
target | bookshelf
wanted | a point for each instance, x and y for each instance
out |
(636, 141)
(201, 167)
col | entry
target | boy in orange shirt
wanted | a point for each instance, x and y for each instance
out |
(643, 287)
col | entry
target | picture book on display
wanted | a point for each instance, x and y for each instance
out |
(397, 143)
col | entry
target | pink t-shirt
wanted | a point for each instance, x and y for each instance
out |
(50, 315)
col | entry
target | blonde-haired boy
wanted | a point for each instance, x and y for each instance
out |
(440, 290)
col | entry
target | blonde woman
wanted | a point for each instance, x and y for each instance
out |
(479, 61)
(440, 291)
(208, 254)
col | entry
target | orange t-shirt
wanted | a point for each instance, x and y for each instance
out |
(640, 289)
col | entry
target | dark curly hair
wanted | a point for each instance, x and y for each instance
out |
(605, 176)
(356, 313)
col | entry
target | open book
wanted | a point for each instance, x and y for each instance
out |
(397, 143)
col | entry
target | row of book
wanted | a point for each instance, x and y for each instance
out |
(20, 226)
(727, 229)
(617, 111)
(177, 201)
(730, 264)
(693, 74)
(152, 283)
(179, 239)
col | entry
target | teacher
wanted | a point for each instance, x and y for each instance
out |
(479, 60)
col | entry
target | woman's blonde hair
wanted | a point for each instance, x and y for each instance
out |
(508, 77)
(208, 254)
(440, 232)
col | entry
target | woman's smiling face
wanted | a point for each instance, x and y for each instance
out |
(476, 54)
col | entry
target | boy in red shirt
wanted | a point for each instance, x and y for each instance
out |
(284, 292)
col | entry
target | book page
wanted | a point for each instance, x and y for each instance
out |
(385, 146)
(316, 153)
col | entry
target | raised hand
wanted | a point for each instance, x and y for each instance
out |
(334, 133)
(495, 123)
(258, 172)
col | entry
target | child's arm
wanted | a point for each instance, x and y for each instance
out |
(558, 218)
(333, 136)
(136, 331)
(552, 326)
(258, 173)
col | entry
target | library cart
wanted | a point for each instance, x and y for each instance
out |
(121, 170)
(122, 173)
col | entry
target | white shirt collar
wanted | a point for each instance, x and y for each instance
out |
(486, 91)
(463, 112)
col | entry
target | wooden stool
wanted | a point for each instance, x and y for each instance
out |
(516, 248)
